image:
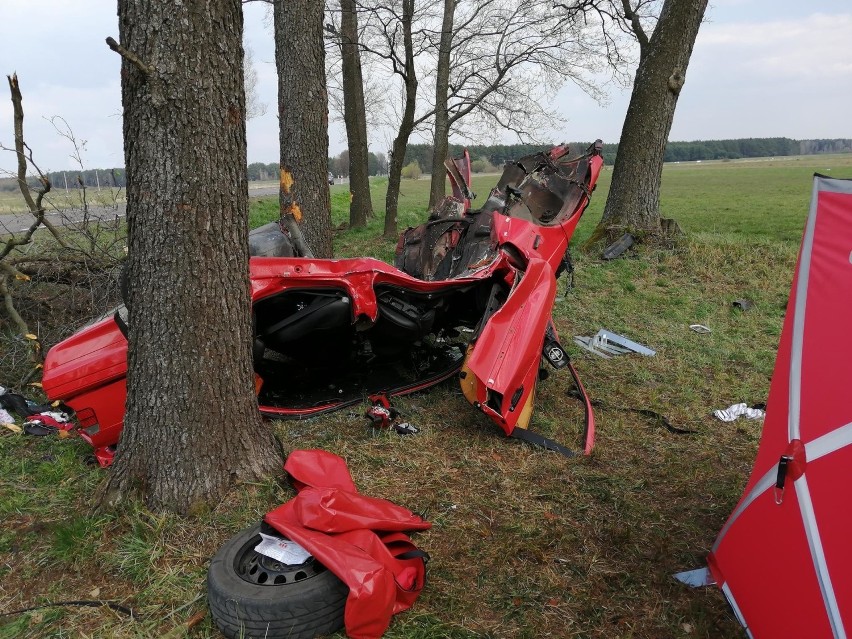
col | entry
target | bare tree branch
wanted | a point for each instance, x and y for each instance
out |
(635, 24)
(254, 107)
(131, 57)
(81, 257)
(636, 18)
(503, 49)
(25, 156)
(149, 70)
(19, 141)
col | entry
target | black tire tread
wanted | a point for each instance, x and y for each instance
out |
(242, 610)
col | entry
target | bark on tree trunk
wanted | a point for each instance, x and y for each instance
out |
(397, 159)
(634, 197)
(391, 229)
(395, 164)
(191, 427)
(441, 141)
(303, 119)
(361, 205)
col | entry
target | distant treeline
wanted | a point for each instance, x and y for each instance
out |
(102, 178)
(496, 155)
(499, 154)
(338, 166)
(260, 171)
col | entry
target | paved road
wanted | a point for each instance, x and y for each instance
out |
(263, 191)
(19, 222)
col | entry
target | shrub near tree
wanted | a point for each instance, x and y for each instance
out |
(482, 165)
(411, 171)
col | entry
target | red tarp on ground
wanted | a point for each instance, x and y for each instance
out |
(784, 558)
(358, 538)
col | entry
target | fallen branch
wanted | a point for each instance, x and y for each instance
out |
(61, 272)
(80, 262)
(11, 271)
(16, 318)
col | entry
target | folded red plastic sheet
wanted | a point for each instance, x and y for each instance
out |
(360, 539)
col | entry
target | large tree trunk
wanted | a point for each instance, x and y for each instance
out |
(303, 119)
(406, 126)
(634, 197)
(395, 163)
(191, 428)
(361, 205)
(441, 143)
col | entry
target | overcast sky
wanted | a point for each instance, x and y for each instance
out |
(760, 68)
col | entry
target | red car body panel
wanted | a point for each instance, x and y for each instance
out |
(529, 235)
(88, 373)
(93, 356)
(507, 353)
(358, 276)
(458, 171)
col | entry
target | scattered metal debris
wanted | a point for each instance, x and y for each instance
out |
(617, 248)
(742, 304)
(607, 344)
(383, 415)
(699, 328)
(405, 428)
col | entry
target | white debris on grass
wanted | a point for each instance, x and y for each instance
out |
(734, 411)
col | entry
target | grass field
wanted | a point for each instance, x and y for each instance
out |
(525, 544)
(60, 199)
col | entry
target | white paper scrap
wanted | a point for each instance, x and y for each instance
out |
(5, 417)
(284, 550)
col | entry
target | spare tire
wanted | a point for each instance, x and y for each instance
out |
(254, 596)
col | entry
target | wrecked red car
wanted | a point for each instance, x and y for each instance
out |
(470, 295)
